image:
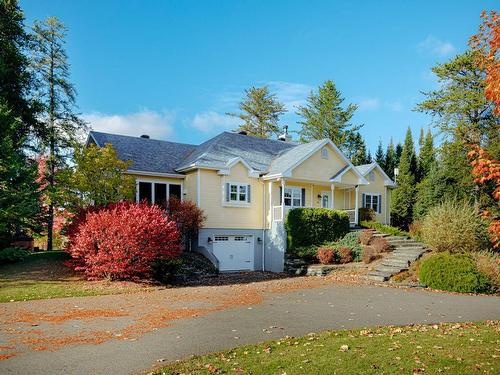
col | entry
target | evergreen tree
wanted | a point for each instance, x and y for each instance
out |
(359, 147)
(58, 104)
(399, 151)
(20, 211)
(390, 160)
(403, 197)
(379, 156)
(426, 155)
(260, 113)
(369, 158)
(421, 138)
(324, 117)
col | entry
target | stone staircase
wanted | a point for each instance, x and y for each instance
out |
(406, 251)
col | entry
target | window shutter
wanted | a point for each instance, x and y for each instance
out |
(380, 203)
(228, 191)
(363, 200)
(303, 197)
(281, 194)
(248, 193)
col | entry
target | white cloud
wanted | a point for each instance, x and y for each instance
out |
(157, 125)
(435, 46)
(290, 94)
(368, 104)
(212, 122)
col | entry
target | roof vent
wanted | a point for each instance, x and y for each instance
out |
(285, 137)
(145, 136)
(242, 132)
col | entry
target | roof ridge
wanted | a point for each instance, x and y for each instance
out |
(135, 137)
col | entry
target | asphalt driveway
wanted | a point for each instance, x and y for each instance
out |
(127, 334)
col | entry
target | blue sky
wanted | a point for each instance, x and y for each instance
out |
(171, 69)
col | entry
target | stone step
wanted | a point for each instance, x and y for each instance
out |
(395, 263)
(410, 258)
(408, 253)
(397, 238)
(405, 243)
(389, 269)
(383, 235)
(378, 276)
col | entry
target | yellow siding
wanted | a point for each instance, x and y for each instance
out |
(315, 168)
(224, 215)
(377, 187)
(190, 192)
(350, 178)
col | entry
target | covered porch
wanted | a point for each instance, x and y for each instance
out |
(286, 194)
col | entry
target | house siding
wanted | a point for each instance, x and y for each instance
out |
(315, 168)
(377, 187)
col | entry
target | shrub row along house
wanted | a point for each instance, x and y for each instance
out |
(246, 185)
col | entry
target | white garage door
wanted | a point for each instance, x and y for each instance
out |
(235, 253)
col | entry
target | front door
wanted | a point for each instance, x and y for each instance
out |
(326, 197)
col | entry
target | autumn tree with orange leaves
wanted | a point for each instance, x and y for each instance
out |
(485, 168)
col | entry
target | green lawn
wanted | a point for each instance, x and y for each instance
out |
(44, 275)
(465, 348)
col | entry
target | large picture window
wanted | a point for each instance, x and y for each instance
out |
(158, 192)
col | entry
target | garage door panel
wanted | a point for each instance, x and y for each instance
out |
(234, 252)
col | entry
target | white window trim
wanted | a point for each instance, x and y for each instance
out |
(291, 198)
(329, 195)
(152, 182)
(371, 201)
(324, 153)
(237, 203)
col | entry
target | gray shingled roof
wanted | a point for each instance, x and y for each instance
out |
(340, 172)
(149, 155)
(218, 151)
(364, 168)
(291, 157)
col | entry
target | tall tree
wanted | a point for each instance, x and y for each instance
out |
(421, 138)
(399, 151)
(261, 111)
(19, 196)
(403, 197)
(324, 117)
(379, 155)
(357, 150)
(369, 158)
(390, 161)
(462, 112)
(57, 96)
(15, 77)
(426, 156)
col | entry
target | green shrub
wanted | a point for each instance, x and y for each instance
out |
(455, 227)
(454, 273)
(13, 254)
(382, 228)
(366, 214)
(351, 241)
(163, 270)
(307, 253)
(315, 226)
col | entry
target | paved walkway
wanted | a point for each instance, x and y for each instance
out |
(127, 334)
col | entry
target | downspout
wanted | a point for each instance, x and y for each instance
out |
(263, 226)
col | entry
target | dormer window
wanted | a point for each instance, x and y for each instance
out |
(371, 176)
(324, 153)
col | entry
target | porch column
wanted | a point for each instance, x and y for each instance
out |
(356, 205)
(271, 201)
(283, 199)
(332, 204)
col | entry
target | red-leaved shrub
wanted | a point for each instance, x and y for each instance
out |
(188, 216)
(365, 236)
(345, 255)
(120, 241)
(326, 255)
(380, 245)
(370, 254)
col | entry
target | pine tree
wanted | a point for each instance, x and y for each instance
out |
(390, 160)
(58, 104)
(426, 155)
(399, 151)
(260, 113)
(379, 156)
(359, 146)
(369, 158)
(324, 117)
(421, 138)
(403, 197)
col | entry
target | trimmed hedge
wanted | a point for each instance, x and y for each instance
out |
(382, 228)
(315, 226)
(454, 273)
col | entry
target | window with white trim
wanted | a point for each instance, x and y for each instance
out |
(371, 176)
(324, 153)
(293, 197)
(238, 193)
(157, 192)
(372, 201)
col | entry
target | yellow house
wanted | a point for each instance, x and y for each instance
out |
(246, 185)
